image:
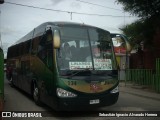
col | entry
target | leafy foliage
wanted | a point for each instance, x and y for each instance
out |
(141, 8)
(145, 28)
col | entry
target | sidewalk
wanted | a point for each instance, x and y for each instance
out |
(139, 91)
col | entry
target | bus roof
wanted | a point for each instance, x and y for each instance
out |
(39, 30)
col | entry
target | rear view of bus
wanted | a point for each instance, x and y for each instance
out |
(87, 69)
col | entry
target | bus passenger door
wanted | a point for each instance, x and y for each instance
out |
(45, 52)
(49, 71)
(25, 80)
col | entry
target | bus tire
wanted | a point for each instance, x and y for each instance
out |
(36, 95)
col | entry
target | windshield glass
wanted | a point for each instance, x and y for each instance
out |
(85, 48)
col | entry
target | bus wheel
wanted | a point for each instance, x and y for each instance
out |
(36, 95)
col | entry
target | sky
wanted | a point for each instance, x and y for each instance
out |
(17, 20)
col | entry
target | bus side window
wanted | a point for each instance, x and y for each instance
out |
(49, 36)
(42, 53)
(22, 67)
(25, 67)
(45, 49)
(50, 59)
(35, 43)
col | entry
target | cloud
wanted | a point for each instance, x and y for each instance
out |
(75, 5)
(55, 2)
(7, 30)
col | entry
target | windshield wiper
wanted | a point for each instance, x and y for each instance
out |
(82, 70)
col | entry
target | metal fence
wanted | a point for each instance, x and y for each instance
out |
(139, 76)
(145, 76)
(156, 82)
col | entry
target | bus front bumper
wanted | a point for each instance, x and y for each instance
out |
(87, 103)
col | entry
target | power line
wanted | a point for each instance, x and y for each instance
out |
(99, 5)
(37, 7)
(70, 12)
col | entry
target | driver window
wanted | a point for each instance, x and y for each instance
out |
(45, 49)
(67, 51)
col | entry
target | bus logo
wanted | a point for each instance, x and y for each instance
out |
(94, 87)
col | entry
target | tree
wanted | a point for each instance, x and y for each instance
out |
(145, 28)
(141, 8)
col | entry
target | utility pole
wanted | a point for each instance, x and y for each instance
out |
(124, 19)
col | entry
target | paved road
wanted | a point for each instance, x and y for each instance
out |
(16, 100)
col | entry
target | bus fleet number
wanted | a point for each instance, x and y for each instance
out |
(72, 83)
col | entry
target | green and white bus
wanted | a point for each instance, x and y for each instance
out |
(66, 65)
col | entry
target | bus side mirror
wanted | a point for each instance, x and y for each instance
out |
(118, 41)
(56, 39)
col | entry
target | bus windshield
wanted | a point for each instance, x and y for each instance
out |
(85, 48)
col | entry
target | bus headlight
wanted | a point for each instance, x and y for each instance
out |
(64, 93)
(115, 90)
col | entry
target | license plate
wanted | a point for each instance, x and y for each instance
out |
(96, 101)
